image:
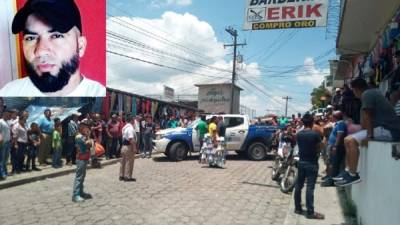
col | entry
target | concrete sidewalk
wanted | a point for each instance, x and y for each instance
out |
(329, 201)
(49, 172)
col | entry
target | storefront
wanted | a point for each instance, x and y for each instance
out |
(369, 46)
(117, 101)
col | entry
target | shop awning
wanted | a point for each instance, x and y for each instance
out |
(362, 22)
(36, 112)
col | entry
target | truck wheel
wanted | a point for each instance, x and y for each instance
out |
(178, 151)
(257, 151)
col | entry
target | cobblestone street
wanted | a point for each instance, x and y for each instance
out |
(165, 193)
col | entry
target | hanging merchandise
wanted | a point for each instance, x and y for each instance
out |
(120, 103)
(143, 106)
(138, 106)
(113, 99)
(128, 104)
(106, 105)
(148, 107)
(154, 106)
(97, 106)
(133, 103)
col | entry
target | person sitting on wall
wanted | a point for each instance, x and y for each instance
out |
(378, 121)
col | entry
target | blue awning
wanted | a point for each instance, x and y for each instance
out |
(36, 112)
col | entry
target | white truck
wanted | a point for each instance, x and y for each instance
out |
(240, 136)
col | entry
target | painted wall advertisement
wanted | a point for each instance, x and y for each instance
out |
(285, 14)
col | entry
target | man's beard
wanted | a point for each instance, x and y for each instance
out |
(51, 83)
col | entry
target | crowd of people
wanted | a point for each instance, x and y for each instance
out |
(50, 141)
(338, 139)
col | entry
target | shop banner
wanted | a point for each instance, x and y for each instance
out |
(285, 14)
(169, 93)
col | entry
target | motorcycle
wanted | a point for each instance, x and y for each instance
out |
(214, 157)
(288, 181)
(284, 170)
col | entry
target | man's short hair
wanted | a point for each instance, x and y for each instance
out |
(8, 110)
(129, 118)
(308, 120)
(61, 15)
(359, 83)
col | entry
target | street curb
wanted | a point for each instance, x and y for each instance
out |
(291, 217)
(56, 173)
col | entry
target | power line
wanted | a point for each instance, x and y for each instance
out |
(154, 36)
(158, 64)
(149, 48)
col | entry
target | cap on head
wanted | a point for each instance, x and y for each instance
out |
(61, 15)
(84, 124)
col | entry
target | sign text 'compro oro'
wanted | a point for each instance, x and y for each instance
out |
(284, 14)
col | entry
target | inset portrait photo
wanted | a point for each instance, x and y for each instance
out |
(52, 48)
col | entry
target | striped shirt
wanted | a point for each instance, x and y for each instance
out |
(397, 108)
(72, 128)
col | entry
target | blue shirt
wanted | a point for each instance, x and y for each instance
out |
(340, 126)
(46, 125)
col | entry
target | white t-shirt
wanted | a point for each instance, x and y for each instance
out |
(5, 130)
(128, 132)
(20, 133)
(25, 88)
(137, 126)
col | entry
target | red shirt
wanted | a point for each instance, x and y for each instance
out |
(114, 128)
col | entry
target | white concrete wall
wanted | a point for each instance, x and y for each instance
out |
(217, 98)
(377, 196)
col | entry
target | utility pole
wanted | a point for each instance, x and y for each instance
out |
(234, 34)
(287, 98)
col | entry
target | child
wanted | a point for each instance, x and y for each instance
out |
(83, 144)
(34, 142)
(57, 144)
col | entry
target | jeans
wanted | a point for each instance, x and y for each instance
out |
(14, 161)
(309, 171)
(56, 157)
(336, 159)
(138, 141)
(148, 144)
(20, 156)
(32, 153)
(70, 155)
(79, 177)
(4, 156)
(112, 151)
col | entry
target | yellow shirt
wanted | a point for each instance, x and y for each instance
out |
(212, 128)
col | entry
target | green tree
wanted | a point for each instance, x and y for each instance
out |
(316, 95)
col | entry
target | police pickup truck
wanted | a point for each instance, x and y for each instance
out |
(242, 137)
